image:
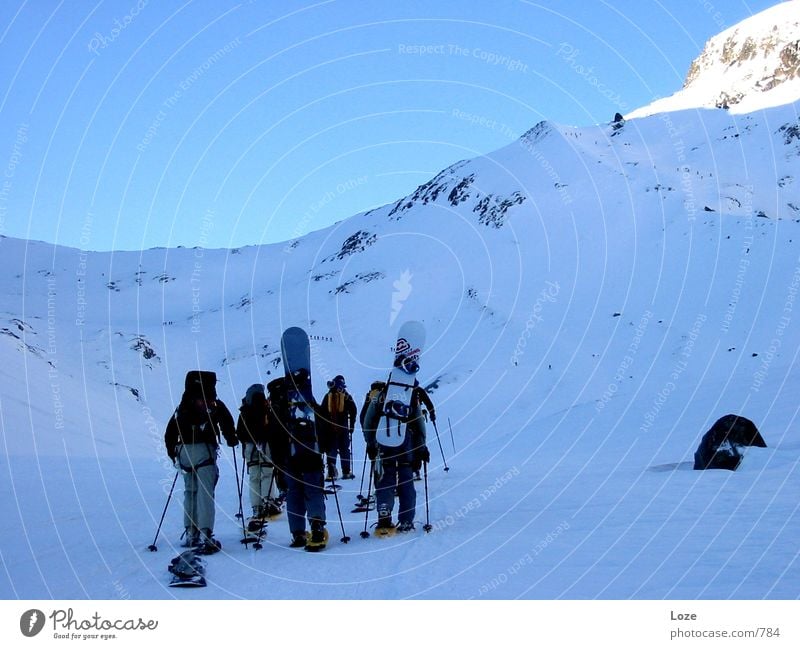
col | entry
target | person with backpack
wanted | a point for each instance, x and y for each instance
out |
(393, 465)
(252, 429)
(338, 416)
(305, 498)
(192, 440)
(278, 435)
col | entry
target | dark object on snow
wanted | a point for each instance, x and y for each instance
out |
(720, 446)
(619, 121)
(188, 570)
(741, 431)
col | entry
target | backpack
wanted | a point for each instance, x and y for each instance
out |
(200, 383)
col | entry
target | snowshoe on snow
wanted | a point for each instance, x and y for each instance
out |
(384, 526)
(188, 570)
(207, 544)
(255, 524)
(316, 540)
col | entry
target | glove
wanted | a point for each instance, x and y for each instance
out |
(433, 417)
(176, 463)
(232, 441)
(423, 454)
(372, 452)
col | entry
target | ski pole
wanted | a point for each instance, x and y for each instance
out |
(258, 545)
(427, 527)
(452, 441)
(365, 534)
(363, 471)
(345, 538)
(240, 486)
(271, 481)
(245, 538)
(350, 448)
(152, 547)
(446, 468)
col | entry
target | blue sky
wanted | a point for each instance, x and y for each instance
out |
(141, 123)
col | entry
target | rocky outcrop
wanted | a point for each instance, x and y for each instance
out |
(757, 55)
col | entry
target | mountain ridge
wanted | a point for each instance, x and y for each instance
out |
(752, 65)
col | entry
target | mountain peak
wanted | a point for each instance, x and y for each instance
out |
(752, 65)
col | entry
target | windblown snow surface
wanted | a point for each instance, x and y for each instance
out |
(594, 299)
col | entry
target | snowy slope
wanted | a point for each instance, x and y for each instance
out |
(750, 66)
(595, 298)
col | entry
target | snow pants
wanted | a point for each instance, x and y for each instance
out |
(400, 476)
(305, 498)
(340, 442)
(198, 463)
(260, 472)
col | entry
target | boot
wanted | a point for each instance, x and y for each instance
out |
(255, 522)
(317, 531)
(384, 519)
(405, 526)
(272, 507)
(207, 544)
(190, 537)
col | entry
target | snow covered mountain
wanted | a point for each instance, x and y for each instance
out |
(754, 64)
(595, 298)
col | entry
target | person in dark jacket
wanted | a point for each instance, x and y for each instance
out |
(338, 417)
(192, 441)
(278, 434)
(253, 431)
(303, 466)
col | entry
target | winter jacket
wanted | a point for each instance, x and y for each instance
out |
(253, 423)
(294, 445)
(336, 416)
(414, 432)
(420, 396)
(189, 425)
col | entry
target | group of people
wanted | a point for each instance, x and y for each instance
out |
(286, 457)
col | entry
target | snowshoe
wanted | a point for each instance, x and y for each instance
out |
(405, 526)
(360, 509)
(256, 538)
(255, 524)
(384, 526)
(272, 509)
(188, 570)
(207, 544)
(316, 540)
